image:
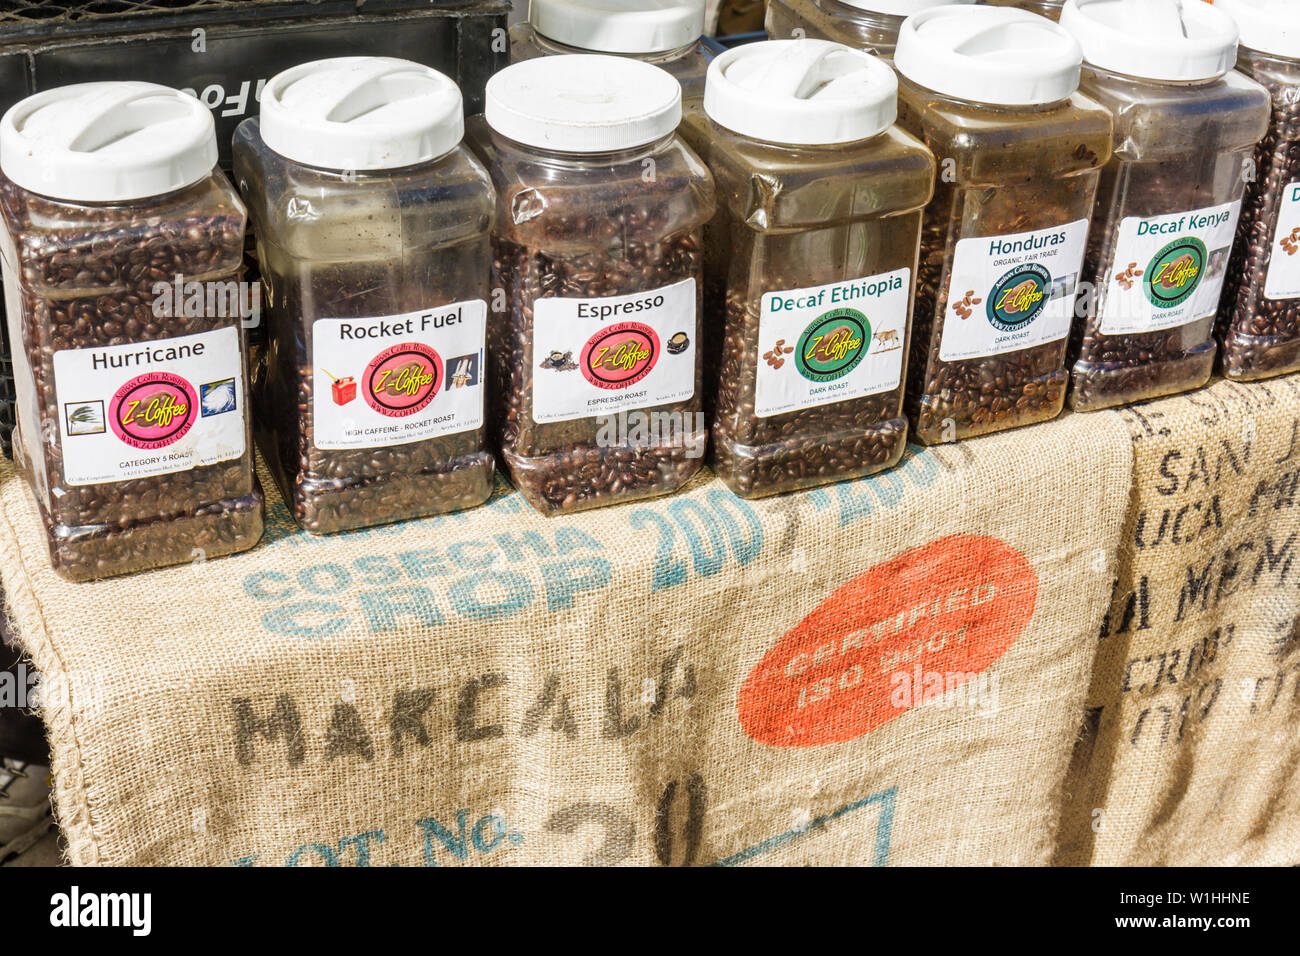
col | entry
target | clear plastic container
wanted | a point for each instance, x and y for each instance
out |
(597, 246)
(372, 226)
(1186, 125)
(665, 33)
(1259, 318)
(1019, 154)
(1044, 8)
(870, 25)
(810, 262)
(122, 252)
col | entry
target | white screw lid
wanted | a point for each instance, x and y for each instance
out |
(995, 55)
(619, 26)
(900, 8)
(361, 112)
(1271, 26)
(107, 142)
(1153, 39)
(583, 103)
(801, 92)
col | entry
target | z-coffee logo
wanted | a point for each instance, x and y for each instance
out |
(1175, 272)
(620, 355)
(833, 345)
(153, 410)
(75, 909)
(402, 379)
(1018, 297)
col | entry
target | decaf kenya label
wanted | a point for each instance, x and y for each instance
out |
(903, 634)
(1168, 270)
(150, 408)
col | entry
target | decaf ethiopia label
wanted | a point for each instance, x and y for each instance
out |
(1167, 270)
(393, 379)
(831, 343)
(150, 408)
(1011, 292)
(1019, 297)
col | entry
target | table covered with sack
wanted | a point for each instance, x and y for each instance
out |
(1073, 643)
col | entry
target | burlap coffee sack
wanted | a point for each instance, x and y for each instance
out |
(652, 683)
(1190, 752)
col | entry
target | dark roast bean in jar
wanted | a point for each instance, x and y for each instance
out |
(1019, 155)
(126, 312)
(373, 244)
(597, 256)
(810, 263)
(1259, 317)
(1166, 215)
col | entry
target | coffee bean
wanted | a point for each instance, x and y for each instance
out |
(1261, 336)
(87, 276)
(605, 232)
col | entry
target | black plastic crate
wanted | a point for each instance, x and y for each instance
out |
(223, 51)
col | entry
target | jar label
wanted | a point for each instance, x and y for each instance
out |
(1283, 281)
(150, 408)
(1012, 292)
(831, 343)
(394, 379)
(1168, 270)
(603, 356)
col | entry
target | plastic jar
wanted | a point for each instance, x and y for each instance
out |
(597, 246)
(991, 92)
(1044, 8)
(810, 262)
(1186, 125)
(372, 235)
(1259, 320)
(663, 32)
(870, 25)
(122, 252)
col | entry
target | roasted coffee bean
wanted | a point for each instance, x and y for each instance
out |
(1261, 336)
(560, 466)
(89, 277)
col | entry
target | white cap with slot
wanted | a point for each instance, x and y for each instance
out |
(583, 103)
(1153, 39)
(1271, 26)
(361, 112)
(900, 8)
(619, 26)
(992, 55)
(107, 142)
(801, 92)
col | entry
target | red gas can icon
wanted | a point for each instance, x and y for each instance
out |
(344, 389)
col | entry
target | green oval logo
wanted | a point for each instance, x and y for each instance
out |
(1175, 272)
(833, 345)
(1018, 297)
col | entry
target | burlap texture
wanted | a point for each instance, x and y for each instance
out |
(627, 685)
(1190, 753)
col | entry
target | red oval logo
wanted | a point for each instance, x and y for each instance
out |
(620, 355)
(153, 410)
(950, 608)
(402, 379)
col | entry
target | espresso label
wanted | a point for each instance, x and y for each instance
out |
(394, 379)
(831, 343)
(150, 408)
(615, 354)
(1012, 292)
(1283, 281)
(1168, 270)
